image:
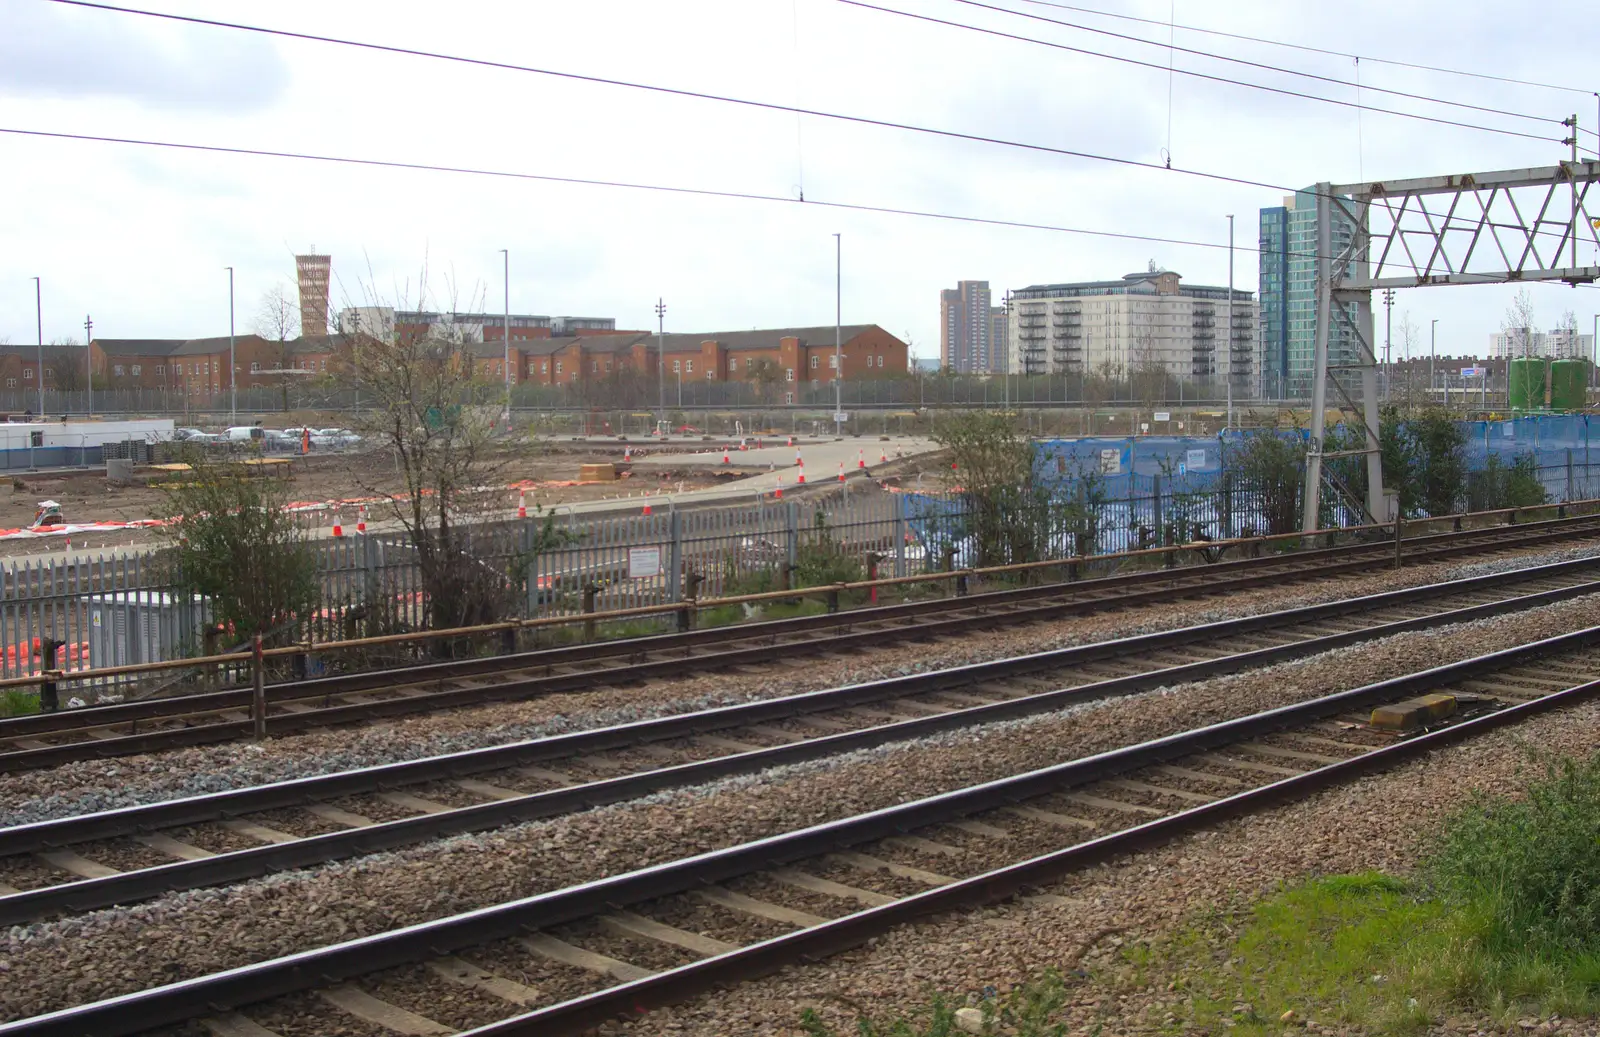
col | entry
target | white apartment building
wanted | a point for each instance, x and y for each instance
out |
(1143, 319)
(1558, 344)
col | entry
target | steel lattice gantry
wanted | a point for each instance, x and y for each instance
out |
(1475, 228)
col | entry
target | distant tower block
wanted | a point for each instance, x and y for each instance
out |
(315, 272)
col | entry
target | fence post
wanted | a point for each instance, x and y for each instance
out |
(900, 531)
(675, 558)
(258, 690)
(1569, 478)
(49, 696)
(589, 591)
(792, 517)
(1399, 535)
(873, 558)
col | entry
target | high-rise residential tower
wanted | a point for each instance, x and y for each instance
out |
(966, 329)
(1288, 328)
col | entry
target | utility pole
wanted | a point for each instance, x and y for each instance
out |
(506, 332)
(233, 388)
(838, 335)
(88, 358)
(1388, 336)
(661, 362)
(1433, 341)
(38, 312)
(1229, 374)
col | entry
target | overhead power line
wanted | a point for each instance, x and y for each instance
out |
(1193, 74)
(1309, 49)
(701, 192)
(1334, 80)
(677, 92)
(975, 138)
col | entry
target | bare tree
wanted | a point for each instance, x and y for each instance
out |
(1567, 330)
(1518, 324)
(66, 365)
(431, 410)
(1410, 338)
(278, 321)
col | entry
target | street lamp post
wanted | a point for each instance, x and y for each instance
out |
(505, 332)
(1433, 340)
(88, 359)
(661, 363)
(838, 336)
(233, 386)
(38, 313)
(1229, 375)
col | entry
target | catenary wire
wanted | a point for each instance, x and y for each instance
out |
(1333, 80)
(1187, 72)
(680, 92)
(703, 192)
(1312, 50)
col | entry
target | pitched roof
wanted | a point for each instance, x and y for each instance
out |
(153, 347)
(764, 338)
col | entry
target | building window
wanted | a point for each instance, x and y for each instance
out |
(608, 365)
(788, 374)
(711, 374)
(116, 369)
(138, 369)
(688, 365)
(788, 397)
(814, 361)
(558, 367)
(749, 362)
(677, 367)
(594, 366)
(833, 363)
(161, 369)
(11, 383)
(544, 367)
(733, 365)
(254, 367)
(324, 365)
(27, 373)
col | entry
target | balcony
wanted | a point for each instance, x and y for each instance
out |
(1203, 320)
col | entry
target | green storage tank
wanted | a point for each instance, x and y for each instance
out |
(1569, 380)
(1526, 384)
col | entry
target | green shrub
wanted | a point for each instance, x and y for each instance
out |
(1029, 1011)
(1501, 485)
(1529, 868)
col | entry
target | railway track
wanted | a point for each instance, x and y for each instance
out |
(44, 740)
(561, 961)
(135, 853)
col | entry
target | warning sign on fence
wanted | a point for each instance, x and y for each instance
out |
(1111, 461)
(644, 562)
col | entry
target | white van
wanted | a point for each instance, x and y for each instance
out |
(243, 433)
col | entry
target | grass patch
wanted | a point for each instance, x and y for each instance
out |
(1032, 1010)
(17, 703)
(1502, 919)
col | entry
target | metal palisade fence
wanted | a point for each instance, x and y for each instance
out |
(122, 609)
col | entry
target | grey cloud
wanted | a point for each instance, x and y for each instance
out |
(47, 50)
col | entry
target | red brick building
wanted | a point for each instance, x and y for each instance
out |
(781, 355)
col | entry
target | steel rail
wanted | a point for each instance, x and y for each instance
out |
(240, 865)
(183, 1000)
(211, 732)
(760, 959)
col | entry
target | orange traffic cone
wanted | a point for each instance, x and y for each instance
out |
(361, 520)
(883, 457)
(797, 458)
(801, 478)
(338, 528)
(647, 510)
(778, 495)
(627, 453)
(791, 441)
(725, 456)
(861, 460)
(841, 471)
(522, 505)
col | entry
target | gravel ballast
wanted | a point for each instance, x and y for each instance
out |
(91, 786)
(52, 965)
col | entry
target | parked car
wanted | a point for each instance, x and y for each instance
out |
(244, 433)
(182, 434)
(334, 437)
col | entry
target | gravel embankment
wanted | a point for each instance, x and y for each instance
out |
(103, 785)
(1380, 822)
(52, 965)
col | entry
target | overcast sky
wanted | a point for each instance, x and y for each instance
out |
(138, 237)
